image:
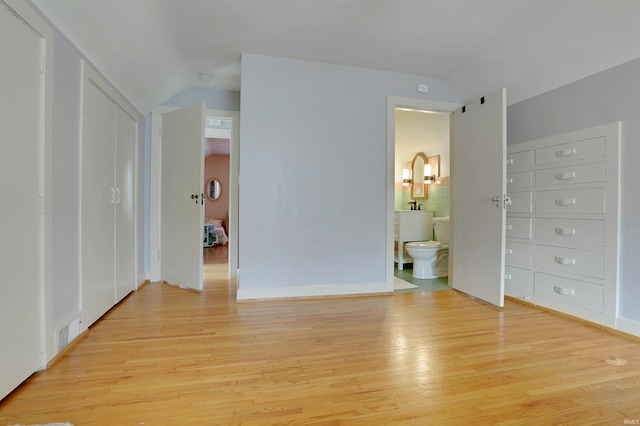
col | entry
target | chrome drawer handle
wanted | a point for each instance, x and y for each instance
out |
(510, 161)
(564, 260)
(507, 277)
(508, 251)
(565, 231)
(509, 227)
(565, 201)
(566, 152)
(510, 180)
(565, 176)
(564, 291)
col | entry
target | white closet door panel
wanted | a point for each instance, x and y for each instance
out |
(98, 194)
(125, 197)
(20, 156)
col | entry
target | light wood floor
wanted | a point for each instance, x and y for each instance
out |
(170, 356)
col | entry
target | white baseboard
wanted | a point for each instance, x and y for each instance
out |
(628, 326)
(313, 291)
(142, 277)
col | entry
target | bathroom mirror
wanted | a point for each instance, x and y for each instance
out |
(213, 189)
(418, 188)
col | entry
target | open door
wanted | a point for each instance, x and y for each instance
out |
(181, 211)
(478, 198)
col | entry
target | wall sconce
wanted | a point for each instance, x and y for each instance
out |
(406, 177)
(428, 177)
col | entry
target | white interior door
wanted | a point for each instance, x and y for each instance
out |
(125, 277)
(478, 171)
(181, 211)
(21, 153)
(98, 199)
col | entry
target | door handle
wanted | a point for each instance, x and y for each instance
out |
(195, 197)
(506, 200)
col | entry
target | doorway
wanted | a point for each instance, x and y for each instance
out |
(155, 188)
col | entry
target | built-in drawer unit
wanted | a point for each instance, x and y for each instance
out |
(561, 246)
(573, 292)
(518, 278)
(518, 227)
(579, 150)
(570, 231)
(519, 180)
(521, 202)
(587, 263)
(519, 161)
(584, 173)
(517, 254)
(571, 201)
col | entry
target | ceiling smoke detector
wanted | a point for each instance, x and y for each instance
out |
(205, 76)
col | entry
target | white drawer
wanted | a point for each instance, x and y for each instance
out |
(517, 253)
(590, 200)
(519, 161)
(518, 227)
(584, 173)
(521, 202)
(574, 231)
(573, 292)
(573, 261)
(579, 150)
(519, 180)
(518, 278)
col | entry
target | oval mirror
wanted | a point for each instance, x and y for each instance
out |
(418, 188)
(213, 189)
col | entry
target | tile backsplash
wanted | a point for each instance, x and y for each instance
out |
(438, 200)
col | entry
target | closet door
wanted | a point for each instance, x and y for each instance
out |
(98, 197)
(20, 219)
(124, 204)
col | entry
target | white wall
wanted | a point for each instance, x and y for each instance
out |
(612, 95)
(313, 161)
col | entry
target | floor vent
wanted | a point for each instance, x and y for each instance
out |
(63, 338)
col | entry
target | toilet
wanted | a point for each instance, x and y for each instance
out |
(431, 258)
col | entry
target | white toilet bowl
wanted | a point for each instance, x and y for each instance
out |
(431, 258)
(424, 254)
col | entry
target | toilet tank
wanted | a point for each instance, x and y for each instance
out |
(441, 229)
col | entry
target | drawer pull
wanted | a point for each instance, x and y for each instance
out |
(565, 176)
(564, 260)
(510, 180)
(510, 161)
(508, 251)
(509, 227)
(565, 231)
(566, 152)
(565, 201)
(564, 291)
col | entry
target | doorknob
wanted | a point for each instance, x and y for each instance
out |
(195, 197)
(506, 200)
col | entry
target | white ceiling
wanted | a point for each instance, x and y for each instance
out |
(153, 49)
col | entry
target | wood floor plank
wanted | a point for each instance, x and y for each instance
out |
(169, 356)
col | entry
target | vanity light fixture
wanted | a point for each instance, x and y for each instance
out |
(406, 177)
(428, 177)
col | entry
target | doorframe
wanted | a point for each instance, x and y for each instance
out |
(155, 251)
(394, 102)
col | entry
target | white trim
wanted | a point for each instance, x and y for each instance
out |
(627, 325)
(394, 102)
(313, 291)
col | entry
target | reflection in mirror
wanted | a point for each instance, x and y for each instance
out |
(213, 189)
(418, 188)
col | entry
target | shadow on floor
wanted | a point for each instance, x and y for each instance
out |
(424, 286)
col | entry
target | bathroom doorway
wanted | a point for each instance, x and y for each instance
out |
(416, 126)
